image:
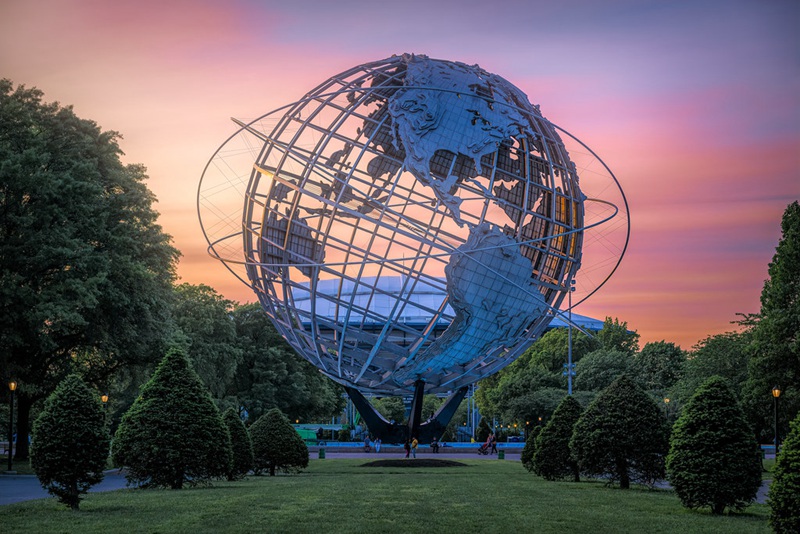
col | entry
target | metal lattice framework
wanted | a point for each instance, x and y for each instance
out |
(409, 221)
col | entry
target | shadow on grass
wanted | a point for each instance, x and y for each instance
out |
(414, 462)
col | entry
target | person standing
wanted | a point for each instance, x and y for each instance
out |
(407, 447)
(414, 444)
(378, 445)
(494, 444)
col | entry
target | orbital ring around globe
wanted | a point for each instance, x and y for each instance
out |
(399, 233)
(247, 129)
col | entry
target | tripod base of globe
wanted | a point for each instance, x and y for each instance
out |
(390, 432)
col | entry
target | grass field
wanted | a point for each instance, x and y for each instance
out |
(341, 496)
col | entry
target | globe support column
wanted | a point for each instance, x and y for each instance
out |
(397, 433)
(414, 419)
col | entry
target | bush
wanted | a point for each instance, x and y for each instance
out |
(784, 494)
(714, 459)
(552, 459)
(241, 445)
(530, 448)
(343, 435)
(70, 442)
(276, 445)
(483, 431)
(173, 433)
(622, 436)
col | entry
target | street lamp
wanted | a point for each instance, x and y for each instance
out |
(12, 385)
(104, 398)
(569, 367)
(776, 393)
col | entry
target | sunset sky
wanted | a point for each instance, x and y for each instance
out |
(694, 105)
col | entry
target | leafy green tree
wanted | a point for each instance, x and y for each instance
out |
(70, 441)
(271, 375)
(784, 493)
(615, 336)
(550, 352)
(528, 451)
(598, 369)
(659, 365)
(714, 459)
(552, 459)
(535, 406)
(483, 430)
(621, 436)
(775, 348)
(204, 317)
(173, 434)
(241, 445)
(85, 271)
(391, 408)
(276, 445)
(724, 355)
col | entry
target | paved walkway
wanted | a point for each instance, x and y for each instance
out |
(18, 488)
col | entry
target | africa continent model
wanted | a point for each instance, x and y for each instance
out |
(410, 225)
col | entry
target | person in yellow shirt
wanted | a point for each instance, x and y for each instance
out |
(414, 444)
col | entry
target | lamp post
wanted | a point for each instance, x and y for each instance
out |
(12, 385)
(104, 398)
(569, 367)
(776, 393)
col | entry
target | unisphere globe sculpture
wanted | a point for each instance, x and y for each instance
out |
(410, 225)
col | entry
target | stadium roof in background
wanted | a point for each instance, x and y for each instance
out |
(380, 300)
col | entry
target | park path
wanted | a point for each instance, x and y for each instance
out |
(18, 488)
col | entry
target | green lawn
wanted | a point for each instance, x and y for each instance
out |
(341, 496)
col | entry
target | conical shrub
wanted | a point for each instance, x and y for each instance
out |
(241, 445)
(714, 459)
(173, 433)
(552, 459)
(276, 445)
(70, 441)
(784, 493)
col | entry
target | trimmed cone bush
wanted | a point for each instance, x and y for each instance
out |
(714, 459)
(621, 436)
(241, 445)
(173, 434)
(784, 493)
(70, 442)
(276, 445)
(530, 448)
(552, 459)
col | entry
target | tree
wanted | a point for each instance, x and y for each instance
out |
(173, 434)
(714, 459)
(85, 271)
(659, 365)
(552, 459)
(550, 352)
(536, 406)
(276, 445)
(775, 348)
(598, 369)
(70, 441)
(483, 430)
(616, 336)
(271, 375)
(526, 457)
(784, 493)
(724, 355)
(391, 408)
(241, 445)
(621, 436)
(205, 318)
